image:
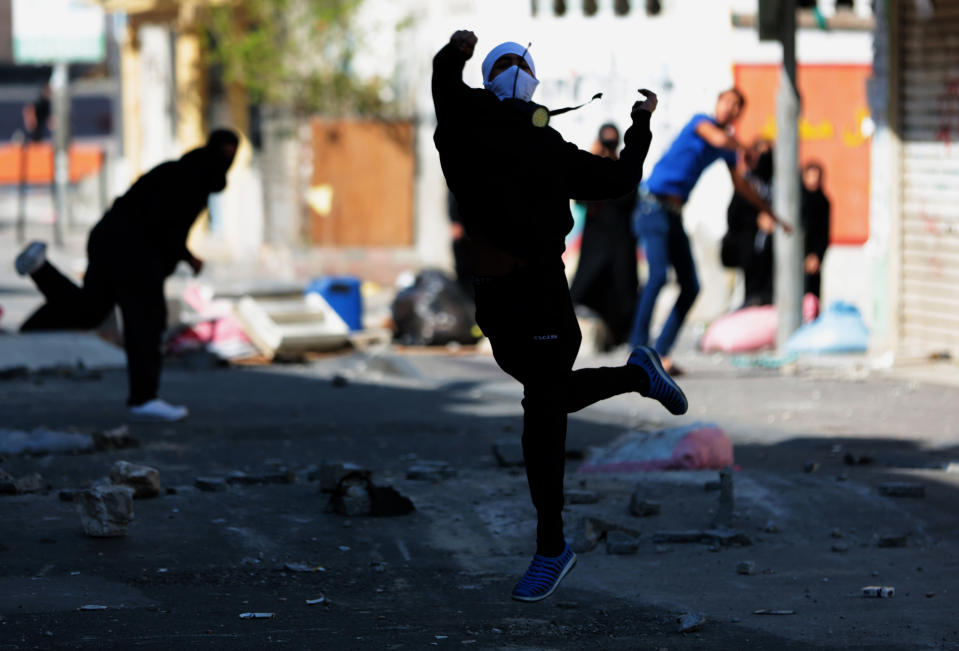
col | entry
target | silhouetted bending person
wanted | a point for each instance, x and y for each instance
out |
(606, 279)
(513, 177)
(130, 252)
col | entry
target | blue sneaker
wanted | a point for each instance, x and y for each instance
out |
(544, 575)
(662, 387)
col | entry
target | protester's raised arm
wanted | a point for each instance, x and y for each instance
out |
(447, 84)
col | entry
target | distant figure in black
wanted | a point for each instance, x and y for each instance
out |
(513, 177)
(130, 253)
(815, 220)
(606, 280)
(748, 243)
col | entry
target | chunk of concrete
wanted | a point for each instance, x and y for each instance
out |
(746, 568)
(893, 540)
(620, 542)
(105, 511)
(643, 508)
(581, 497)
(144, 480)
(691, 622)
(118, 438)
(331, 473)
(434, 471)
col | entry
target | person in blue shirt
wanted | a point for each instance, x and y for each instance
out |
(658, 221)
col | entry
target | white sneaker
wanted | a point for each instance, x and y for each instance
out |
(31, 258)
(159, 410)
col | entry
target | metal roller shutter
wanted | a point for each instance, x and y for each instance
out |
(929, 110)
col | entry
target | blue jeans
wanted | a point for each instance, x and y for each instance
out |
(666, 244)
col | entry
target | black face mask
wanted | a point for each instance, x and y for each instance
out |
(611, 145)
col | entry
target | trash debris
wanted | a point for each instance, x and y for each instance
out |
(879, 592)
(105, 511)
(746, 330)
(118, 438)
(509, 453)
(581, 497)
(691, 622)
(434, 471)
(902, 489)
(693, 447)
(620, 542)
(313, 602)
(288, 326)
(212, 327)
(343, 295)
(774, 612)
(257, 615)
(433, 311)
(144, 480)
(92, 607)
(747, 568)
(303, 567)
(210, 484)
(642, 507)
(839, 329)
(43, 441)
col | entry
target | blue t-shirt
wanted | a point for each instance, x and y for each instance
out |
(680, 167)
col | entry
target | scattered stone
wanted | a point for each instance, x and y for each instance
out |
(508, 453)
(352, 498)
(144, 480)
(118, 438)
(851, 459)
(724, 537)
(836, 533)
(902, 489)
(313, 602)
(747, 568)
(893, 540)
(724, 514)
(171, 490)
(662, 549)
(68, 495)
(330, 473)
(643, 508)
(92, 607)
(581, 497)
(32, 483)
(691, 622)
(591, 530)
(210, 484)
(619, 542)
(339, 381)
(257, 615)
(879, 591)
(773, 612)
(840, 548)
(105, 511)
(240, 478)
(434, 471)
(303, 567)
(810, 467)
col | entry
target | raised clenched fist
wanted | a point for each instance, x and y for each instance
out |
(465, 41)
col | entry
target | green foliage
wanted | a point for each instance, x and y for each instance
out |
(294, 53)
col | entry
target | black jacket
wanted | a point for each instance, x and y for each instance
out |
(513, 180)
(150, 223)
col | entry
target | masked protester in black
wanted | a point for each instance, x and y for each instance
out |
(131, 251)
(606, 280)
(815, 209)
(513, 181)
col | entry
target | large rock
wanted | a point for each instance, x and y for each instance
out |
(144, 480)
(105, 511)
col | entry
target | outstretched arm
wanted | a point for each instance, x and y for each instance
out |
(449, 91)
(592, 177)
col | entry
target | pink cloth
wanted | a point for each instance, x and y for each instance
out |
(695, 447)
(745, 330)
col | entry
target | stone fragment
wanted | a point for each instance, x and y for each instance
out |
(771, 527)
(281, 476)
(434, 471)
(210, 484)
(144, 480)
(810, 467)
(724, 514)
(105, 511)
(724, 537)
(330, 473)
(879, 591)
(641, 507)
(32, 483)
(620, 542)
(840, 547)
(581, 497)
(764, 611)
(691, 622)
(747, 568)
(893, 540)
(353, 498)
(902, 489)
(118, 438)
(509, 453)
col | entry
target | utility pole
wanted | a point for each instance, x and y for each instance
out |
(60, 88)
(780, 19)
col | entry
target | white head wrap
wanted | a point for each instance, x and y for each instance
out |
(509, 47)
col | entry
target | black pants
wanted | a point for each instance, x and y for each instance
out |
(113, 277)
(529, 319)
(606, 279)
